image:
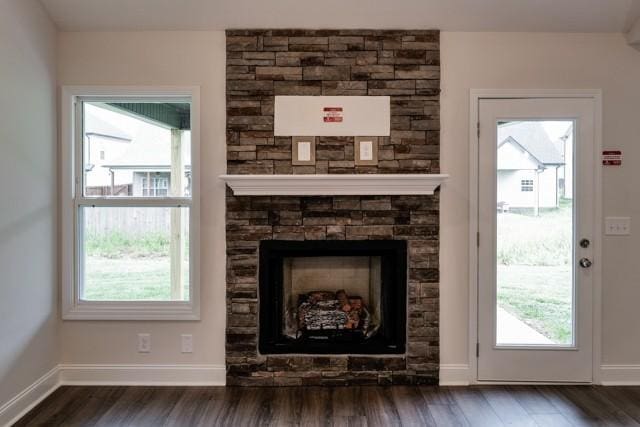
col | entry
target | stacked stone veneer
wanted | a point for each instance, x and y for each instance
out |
(264, 63)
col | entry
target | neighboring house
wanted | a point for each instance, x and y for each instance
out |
(148, 164)
(103, 143)
(528, 167)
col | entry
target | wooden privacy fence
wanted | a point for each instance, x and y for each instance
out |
(130, 220)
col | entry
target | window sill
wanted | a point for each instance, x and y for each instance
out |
(132, 311)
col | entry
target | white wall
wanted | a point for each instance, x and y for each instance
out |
(160, 58)
(525, 60)
(28, 283)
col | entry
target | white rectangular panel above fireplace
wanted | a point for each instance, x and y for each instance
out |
(332, 116)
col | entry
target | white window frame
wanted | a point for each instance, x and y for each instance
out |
(73, 308)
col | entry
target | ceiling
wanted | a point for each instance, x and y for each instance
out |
(447, 15)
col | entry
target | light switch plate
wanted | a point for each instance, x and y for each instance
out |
(366, 150)
(303, 150)
(617, 226)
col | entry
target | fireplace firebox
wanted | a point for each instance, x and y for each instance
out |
(333, 297)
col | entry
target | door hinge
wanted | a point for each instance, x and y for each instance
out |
(478, 239)
(478, 130)
(477, 349)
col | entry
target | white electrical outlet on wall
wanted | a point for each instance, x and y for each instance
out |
(144, 343)
(187, 343)
(617, 226)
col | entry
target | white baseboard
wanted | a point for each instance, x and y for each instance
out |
(455, 374)
(610, 375)
(620, 374)
(28, 398)
(158, 375)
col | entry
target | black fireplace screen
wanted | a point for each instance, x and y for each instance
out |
(332, 297)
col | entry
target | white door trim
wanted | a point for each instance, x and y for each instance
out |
(474, 100)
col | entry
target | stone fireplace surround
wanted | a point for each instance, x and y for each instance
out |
(265, 63)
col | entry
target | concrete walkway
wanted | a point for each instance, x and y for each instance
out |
(512, 330)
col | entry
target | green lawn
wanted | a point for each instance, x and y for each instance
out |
(121, 279)
(539, 296)
(534, 270)
(531, 240)
(116, 244)
(121, 267)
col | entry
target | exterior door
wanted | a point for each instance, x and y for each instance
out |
(536, 220)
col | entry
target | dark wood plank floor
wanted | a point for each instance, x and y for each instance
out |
(348, 406)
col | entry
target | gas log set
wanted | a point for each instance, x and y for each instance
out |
(333, 315)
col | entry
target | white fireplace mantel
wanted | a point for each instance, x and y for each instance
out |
(336, 184)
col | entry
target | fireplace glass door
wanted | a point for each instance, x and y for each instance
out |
(332, 297)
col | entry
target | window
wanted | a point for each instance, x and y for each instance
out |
(526, 185)
(156, 185)
(133, 236)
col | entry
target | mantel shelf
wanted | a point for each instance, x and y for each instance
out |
(336, 184)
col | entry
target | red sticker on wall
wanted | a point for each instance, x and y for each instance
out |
(332, 114)
(612, 158)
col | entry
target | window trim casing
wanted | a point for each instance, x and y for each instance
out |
(72, 307)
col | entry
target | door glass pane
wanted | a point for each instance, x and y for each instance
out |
(535, 202)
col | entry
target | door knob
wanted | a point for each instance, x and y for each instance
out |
(585, 262)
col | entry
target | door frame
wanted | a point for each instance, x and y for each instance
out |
(476, 95)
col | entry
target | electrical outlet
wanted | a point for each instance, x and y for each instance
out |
(144, 343)
(617, 226)
(187, 343)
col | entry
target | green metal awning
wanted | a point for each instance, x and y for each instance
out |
(169, 115)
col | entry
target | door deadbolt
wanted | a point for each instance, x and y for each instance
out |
(585, 263)
(584, 243)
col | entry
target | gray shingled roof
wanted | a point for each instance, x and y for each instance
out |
(94, 125)
(531, 136)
